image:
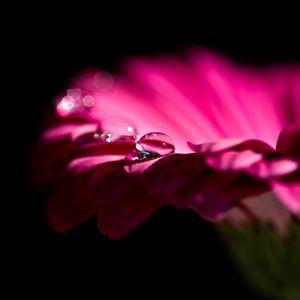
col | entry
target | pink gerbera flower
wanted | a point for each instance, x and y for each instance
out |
(196, 132)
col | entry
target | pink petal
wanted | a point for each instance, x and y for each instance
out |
(240, 100)
(210, 148)
(172, 172)
(123, 204)
(86, 163)
(113, 148)
(72, 201)
(58, 133)
(217, 193)
(275, 168)
(189, 183)
(289, 194)
(289, 141)
(49, 161)
(233, 161)
(79, 132)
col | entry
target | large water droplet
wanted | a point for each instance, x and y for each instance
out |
(155, 143)
(117, 129)
(150, 146)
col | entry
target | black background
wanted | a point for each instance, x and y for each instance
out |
(173, 253)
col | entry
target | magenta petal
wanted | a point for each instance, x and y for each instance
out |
(289, 141)
(289, 193)
(122, 203)
(113, 148)
(58, 133)
(49, 161)
(213, 147)
(231, 144)
(79, 134)
(172, 172)
(72, 201)
(86, 163)
(233, 161)
(275, 168)
(220, 192)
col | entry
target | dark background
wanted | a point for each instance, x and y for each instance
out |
(173, 253)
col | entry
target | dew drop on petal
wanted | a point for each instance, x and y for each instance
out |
(150, 146)
(156, 143)
(117, 129)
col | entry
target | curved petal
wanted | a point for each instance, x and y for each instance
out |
(58, 133)
(222, 145)
(270, 169)
(72, 201)
(171, 172)
(289, 141)
(217, 193)
(234, 161)
(187, 182)
(123, 203)
(240, 99)
(289, 194)
(86, 163)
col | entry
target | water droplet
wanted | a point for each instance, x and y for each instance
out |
(117, 129)
(150, 146)
(156, 143)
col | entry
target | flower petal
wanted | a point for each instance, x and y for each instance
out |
(72, 201)
(86, 163)
(123, 203)
(217, 193)
(289, 141)
(171, 172)
(210, 148)
(58, 133)
(289, 194)
(233, 161)
(273, 168)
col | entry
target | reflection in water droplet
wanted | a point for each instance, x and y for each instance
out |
(151, 146)
(103, 81)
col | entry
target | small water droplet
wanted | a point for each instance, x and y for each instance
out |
(150, 146)
(117, 129)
